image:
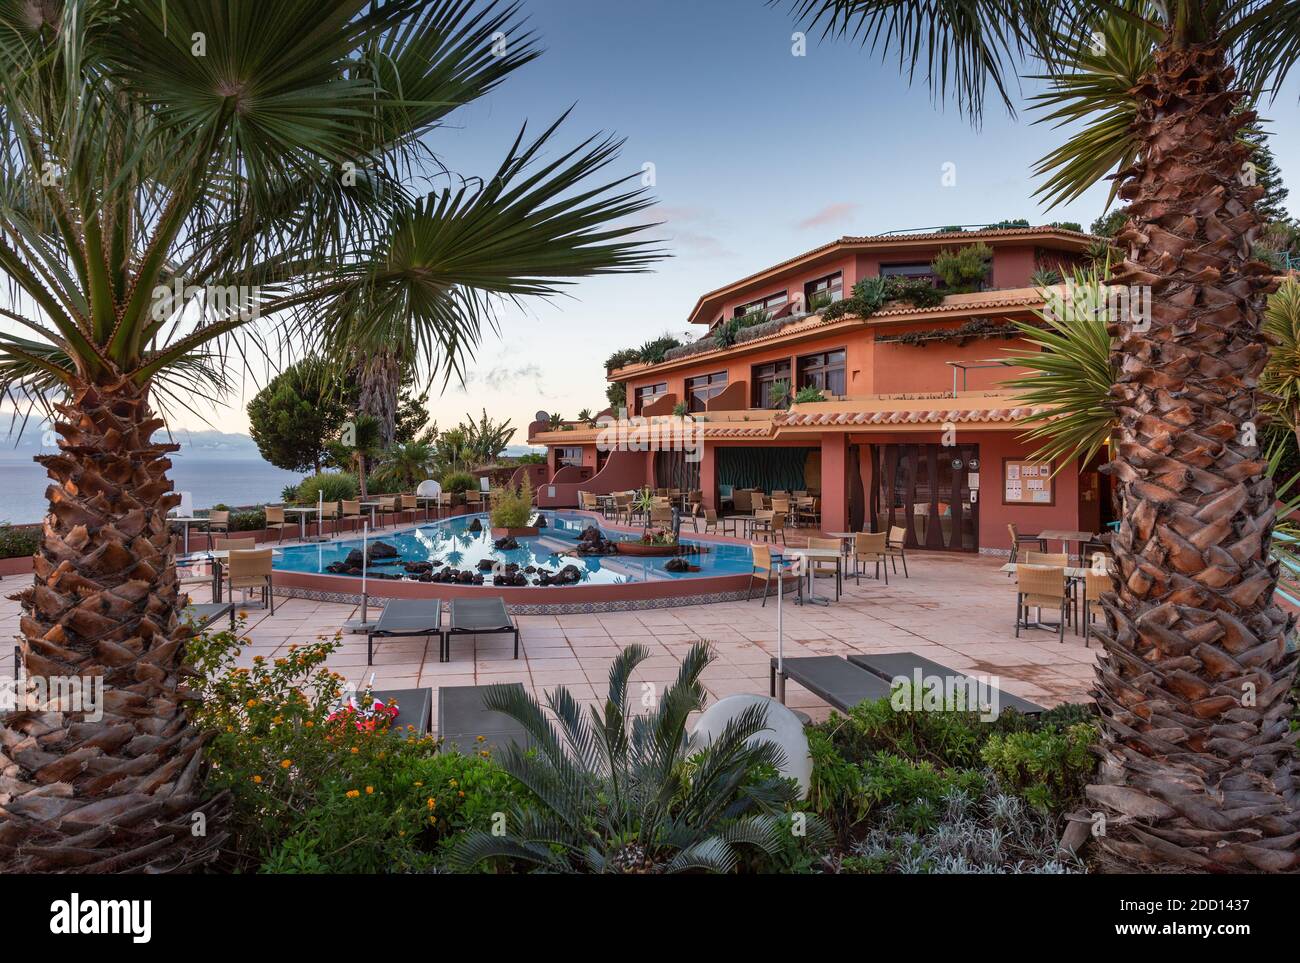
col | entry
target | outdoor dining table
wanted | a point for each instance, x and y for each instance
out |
(427, 500)
(1065, 537)
(819, 555)
(218, 557)
(186, 521)
(372, 505)
(302, 513)
(746, 522)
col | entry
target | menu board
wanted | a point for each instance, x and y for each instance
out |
(1027, 482)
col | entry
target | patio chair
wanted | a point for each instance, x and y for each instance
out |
(202, 614)
(762, 526)
(474, 500)
(808, 510)
(623, 508)
(234, 544)
(1040, 587)
(408, 505)
(251, 569)
(406, 617)
(821, 566)
(1094, 584)
(486, 616)
(742, 501)
(1017, 539)
(351, 512)
(661, 516)
(781, 505)
(832, 679)
(891, 665)
(707, 515)
(870, 547)
(763, 569)
(329, 512)
(895, 548)
(387, 506)
(218, 522)
(1055, 559)
(444, 503)
(275, 519)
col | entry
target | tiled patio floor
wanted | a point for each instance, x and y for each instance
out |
(954, 610)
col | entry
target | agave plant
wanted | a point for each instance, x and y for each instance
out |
(626, 793)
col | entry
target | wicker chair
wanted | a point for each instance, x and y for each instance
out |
(821, 566)
(895, 548)
(233, 544)
(1094, 584)
(329, 512)
(275, 519)
(1041, 587)
(351, 512)
(870, 547)
(252, 570)
(218, 522)
(763, 569)
(409, 505)
(1017, 540)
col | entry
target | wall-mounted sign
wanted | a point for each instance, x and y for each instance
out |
(1027, 482)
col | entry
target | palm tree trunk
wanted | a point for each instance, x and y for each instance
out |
(122, 791)
(1197, 767)
(381, 378)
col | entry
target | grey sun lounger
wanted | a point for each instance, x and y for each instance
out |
(889, 665)
(478, 617)
(203, 614)
(405, 617)
(835, 680)
(462, 719)
(414, 708)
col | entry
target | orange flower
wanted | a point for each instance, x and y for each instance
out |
(286, 763)
(250, 703)
(353, 793)
(430, 804)
(370, 790)
(257, 780)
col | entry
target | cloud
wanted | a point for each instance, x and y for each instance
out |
(695, 230)
(830, 214)
(505, 378)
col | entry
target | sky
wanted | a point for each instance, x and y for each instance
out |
(757, 154)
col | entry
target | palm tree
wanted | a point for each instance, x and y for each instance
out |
(620, 793)
(172, 174)
(1197, 769)
(485, 439)
(407, 464)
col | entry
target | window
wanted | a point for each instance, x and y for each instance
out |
(824, 371)
(831, 286)
(568, 456)
(649, 394)
(912, 269)
(763, 376)
(703, 387)
(772, 303)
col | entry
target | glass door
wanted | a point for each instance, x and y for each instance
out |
(926, 490)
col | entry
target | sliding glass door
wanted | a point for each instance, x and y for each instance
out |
(926, 490)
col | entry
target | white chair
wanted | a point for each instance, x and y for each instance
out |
(186, 508)
(429, 489)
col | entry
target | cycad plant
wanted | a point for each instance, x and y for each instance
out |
(1282, 375)
(183, 185)
(624, 793)
(1198, 767)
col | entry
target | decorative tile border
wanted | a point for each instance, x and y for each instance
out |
(543, 608)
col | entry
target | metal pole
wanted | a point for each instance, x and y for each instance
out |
(365, 564)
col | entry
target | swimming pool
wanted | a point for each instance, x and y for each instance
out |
(451, 543)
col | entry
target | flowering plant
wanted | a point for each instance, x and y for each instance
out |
(658, 536)
(366, 714)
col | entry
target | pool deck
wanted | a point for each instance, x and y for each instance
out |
(954, 610)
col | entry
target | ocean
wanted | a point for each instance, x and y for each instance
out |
(233, 481)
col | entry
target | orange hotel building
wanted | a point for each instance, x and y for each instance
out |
(915, 429)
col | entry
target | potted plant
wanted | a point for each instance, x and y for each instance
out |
(655, 541)
(512, 510)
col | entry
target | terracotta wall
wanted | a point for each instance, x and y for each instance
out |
(923, 369)
(623, 470)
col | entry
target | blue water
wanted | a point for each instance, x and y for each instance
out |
(450, 542)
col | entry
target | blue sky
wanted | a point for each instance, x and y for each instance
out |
(758, 155)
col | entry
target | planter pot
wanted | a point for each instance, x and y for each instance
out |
(515, 532)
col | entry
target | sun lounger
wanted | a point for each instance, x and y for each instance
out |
(406, 617)
(478, 617)
(837, 681)
(462, 719)
(203, 614)
(414, 708)
(890, 665)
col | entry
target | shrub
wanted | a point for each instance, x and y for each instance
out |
(330, 486)
(986, 831)
(680, 410)
(18, 542)
(964, 268)
(459, 482)
(289, 494)
(311, 793)
(652, 352)
(1049, 767)
(246, 520)
(808, 394)
(512, 507)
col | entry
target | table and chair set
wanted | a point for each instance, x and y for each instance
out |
(1047, 581)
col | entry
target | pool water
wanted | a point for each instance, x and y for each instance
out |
(451, 543)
